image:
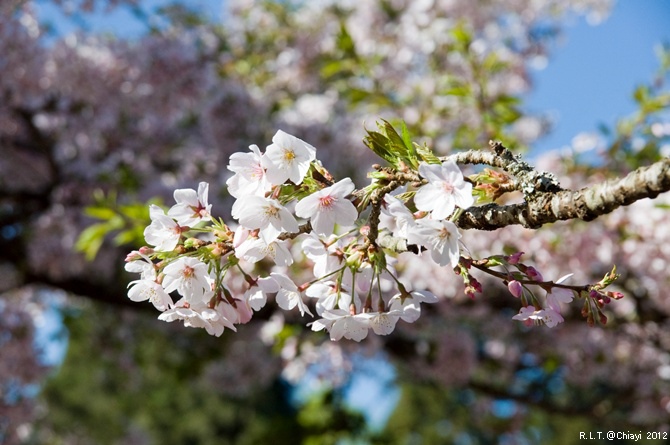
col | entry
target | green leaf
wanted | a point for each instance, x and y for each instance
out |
(331, 69)
(459, 90)
(130, 236)
(406, 137)
(90, 240)
(103, 213)
(394, 138)
(426, 154)
(357, 95)
(641, 94)
(378, 143)
(139, 211)
(461, 34)
(345, 43)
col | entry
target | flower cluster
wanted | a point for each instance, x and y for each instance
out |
(285, 196)
(551, 313)
(520, 279)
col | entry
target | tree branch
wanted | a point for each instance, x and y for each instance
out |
(587, 203)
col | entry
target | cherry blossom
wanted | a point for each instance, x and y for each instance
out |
(190, 278)
(256, 296)
(527, 314)
(396, 217)
(440, 237)
(328, 296)
(341, 324)
(254, 249)
(328, 207)
(163, 233)
(327, 256)
(288, 295)
(287, 158)
(191, 207)
(198, 316)
(446, 190)
(559, 295)
(249, 177)
(146, 289)
(383, 323)
(548, 316)
(266, 214)
(140, 263)
(237, 311)
(409, 303)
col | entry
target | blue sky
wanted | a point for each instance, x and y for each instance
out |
(591, 75)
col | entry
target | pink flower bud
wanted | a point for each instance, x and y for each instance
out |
(614, 295)
(534, 274)
(603, 319)
(476, 285)
(515, 288)
(132, 256)
(514, 258)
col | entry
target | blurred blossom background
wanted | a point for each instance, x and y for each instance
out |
(105, 105)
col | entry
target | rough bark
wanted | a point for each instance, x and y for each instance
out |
(545, 201)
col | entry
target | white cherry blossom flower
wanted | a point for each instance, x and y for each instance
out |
(190, 278)
(148, 289)
(288, 295)
(255, 249)
(527, 314)
(198, 316)
(287, 158)
(409, 306)
(191, 207)
(383, 323)
(326, 259)
(440, 237)
(548, 316)
(256, 296)
(445, 190)
(328, 207)
(559, 295)
(341, 323)
(266, 214)
(143, 266)
(328, 297)
(249, 177)
(396, 217)
(365, 278)
(238, 313)
(163, 233)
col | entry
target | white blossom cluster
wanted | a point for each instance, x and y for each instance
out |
(278, 199)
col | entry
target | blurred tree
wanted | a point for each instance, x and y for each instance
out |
(129, 379)
(92, 127)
